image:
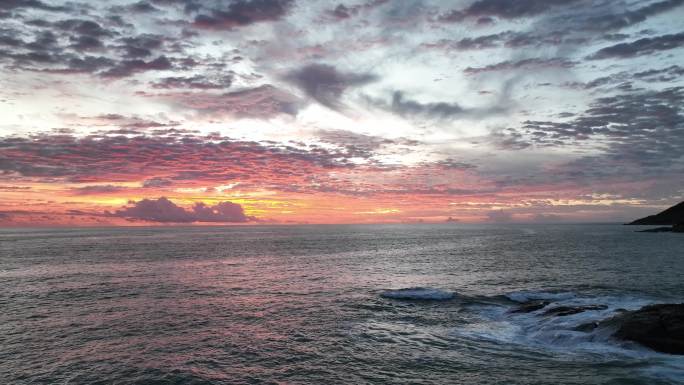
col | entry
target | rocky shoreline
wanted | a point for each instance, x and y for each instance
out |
(659, 327)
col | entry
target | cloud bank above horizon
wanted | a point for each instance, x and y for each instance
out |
(284, 111)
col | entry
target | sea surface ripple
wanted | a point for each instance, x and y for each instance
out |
(378, 304)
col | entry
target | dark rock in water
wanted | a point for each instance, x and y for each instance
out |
(562, 311)
(530, 306)
(587, 327)
(672, 216)
(679, 228)
(659, 327)
(657, 230)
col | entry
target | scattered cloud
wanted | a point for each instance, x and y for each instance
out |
(163, 210)
(264, 101)
(525, 64)
(326, 84)
(97, 189)
(505, 9)
(239, 13)
(342, 11)
(194, 82)
(157, 182)
(472, 106)
(640, 47)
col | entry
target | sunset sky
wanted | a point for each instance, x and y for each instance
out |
(369, 111)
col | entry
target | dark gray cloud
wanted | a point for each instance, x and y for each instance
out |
(505, 9)
(471, 43)
(404, 106)
(141, 45)
(645, 46)
(200, 82)
(35, 4)
(129, 67)
(644, 129)
(85, 64)
(509, 39)
(625, 80)
(86, 43)
(39, 47)
(142, 7)
(608, 80)
(240, 13)
(560, 25)
(453, 164)
(264, 101)
(524, 64)
(163, 210)
(663, 75)
(69, 46)
(43, 41)
(342, 11)
(325, 84)
(604, 17)
(8, 38)
(83, 27)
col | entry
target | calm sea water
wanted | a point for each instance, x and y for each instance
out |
(305, 304)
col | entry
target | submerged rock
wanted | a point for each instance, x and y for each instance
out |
(562, 311)
(530, 306)
(587, 327)
(659, 327)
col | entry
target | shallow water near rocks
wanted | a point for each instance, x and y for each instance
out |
(309, 304)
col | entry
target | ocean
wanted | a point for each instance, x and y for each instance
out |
(322, 305)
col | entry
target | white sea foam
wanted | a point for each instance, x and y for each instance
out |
(556, 334)
(419, 293)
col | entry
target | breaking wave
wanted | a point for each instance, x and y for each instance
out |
(568, 336)
(561, 326)
(419, 293)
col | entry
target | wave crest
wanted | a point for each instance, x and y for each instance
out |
(418, 293)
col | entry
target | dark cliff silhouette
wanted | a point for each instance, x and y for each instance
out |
(672, 216)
